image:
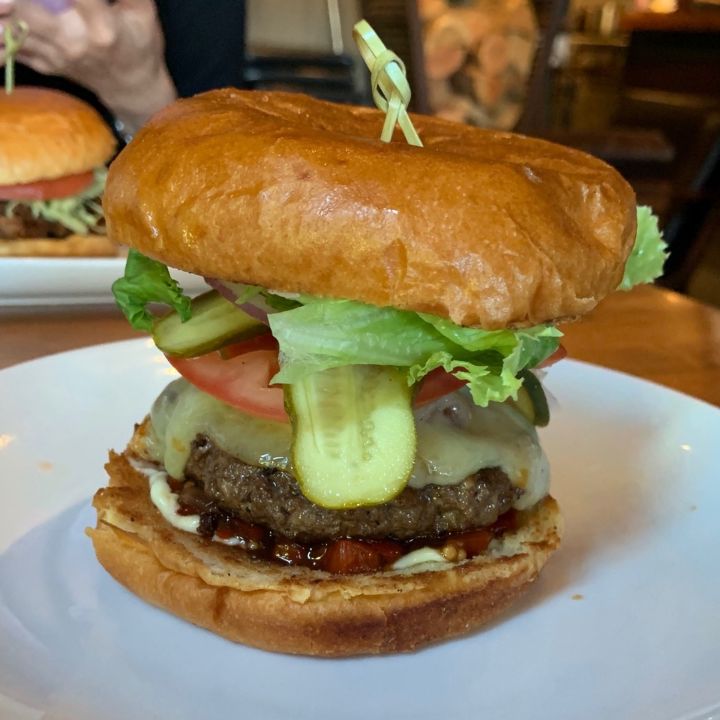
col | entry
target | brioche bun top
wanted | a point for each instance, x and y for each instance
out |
(46, 134)
(489, 229)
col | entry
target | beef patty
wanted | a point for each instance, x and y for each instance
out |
(21, 223)
(272, 498)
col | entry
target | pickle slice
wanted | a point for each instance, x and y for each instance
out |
(531, 400)
(353, 435)
(214, 322)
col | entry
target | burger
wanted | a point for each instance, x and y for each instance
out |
(53, 150)
(348, 462)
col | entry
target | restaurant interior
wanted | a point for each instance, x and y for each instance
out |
(636, 83)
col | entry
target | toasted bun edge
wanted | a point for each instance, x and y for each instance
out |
(302, 611)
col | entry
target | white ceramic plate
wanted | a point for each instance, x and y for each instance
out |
(623, 623)
(68, 281)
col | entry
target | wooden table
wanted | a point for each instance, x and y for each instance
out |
(649, 332)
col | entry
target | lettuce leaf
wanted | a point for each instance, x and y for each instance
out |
(146, 281)
(533, 344)
(491, 374)
(79, 213)
(331, 333)
(246, 293)
(316, 334)
(279, 303)
(648, 254)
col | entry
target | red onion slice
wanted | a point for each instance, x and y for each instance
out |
(256, 309)
(223, 289)
(255, 312)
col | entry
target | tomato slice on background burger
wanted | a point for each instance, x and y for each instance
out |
(48, 189)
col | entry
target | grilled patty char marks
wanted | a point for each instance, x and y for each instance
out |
(272, 498)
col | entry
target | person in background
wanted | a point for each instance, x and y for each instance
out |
(129, 58)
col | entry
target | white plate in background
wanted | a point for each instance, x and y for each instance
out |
(69, 281)
(623, 623)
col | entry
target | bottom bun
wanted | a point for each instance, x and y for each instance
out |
(70, 246)
(295, 609)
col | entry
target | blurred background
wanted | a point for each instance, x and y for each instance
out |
(635, 82)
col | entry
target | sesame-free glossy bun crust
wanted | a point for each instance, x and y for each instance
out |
(46, 134)
(298, 195)
(303, 611)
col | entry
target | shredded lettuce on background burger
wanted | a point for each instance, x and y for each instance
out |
(317, 333)
(79, 213)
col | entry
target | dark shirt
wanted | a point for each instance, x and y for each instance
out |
(204, 49)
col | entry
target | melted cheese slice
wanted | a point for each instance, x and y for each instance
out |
(455, 438)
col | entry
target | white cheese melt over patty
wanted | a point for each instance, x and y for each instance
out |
(455, 438)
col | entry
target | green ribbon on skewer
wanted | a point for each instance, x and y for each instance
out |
(390, 88)
(14, 35)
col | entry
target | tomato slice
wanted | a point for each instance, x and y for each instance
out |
(559, 354)
(242, 380)
(259, 342)
(48, 189)
(436, 384)
(239, 375)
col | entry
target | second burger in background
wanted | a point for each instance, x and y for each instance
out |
(53, 150)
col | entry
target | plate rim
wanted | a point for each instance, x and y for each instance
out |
(703, 712)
